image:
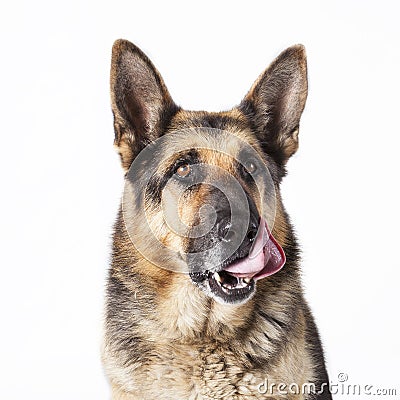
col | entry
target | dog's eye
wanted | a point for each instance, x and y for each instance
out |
(250, 167)
(183, 170)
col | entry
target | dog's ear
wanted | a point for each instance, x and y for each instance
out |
(140, 101)
(276, 100)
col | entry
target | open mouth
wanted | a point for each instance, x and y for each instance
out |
(229, 287)
(236, 282)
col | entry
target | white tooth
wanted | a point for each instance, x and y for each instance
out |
(217, 277)
(247, 280)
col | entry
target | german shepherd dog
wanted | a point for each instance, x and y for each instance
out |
(204, 299)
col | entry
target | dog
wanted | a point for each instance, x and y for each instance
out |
(203, 297)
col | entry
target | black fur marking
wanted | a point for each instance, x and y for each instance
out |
(218, 121)
(255, 360)
(279, 324)
(314, 341)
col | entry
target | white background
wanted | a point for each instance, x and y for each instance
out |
(61, 180)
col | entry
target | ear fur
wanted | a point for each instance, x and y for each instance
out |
(276, 101)
(141, 103)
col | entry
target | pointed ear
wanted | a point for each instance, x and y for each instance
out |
(275, 103)
(140, 101)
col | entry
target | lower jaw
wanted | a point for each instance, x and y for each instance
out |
(231, 296)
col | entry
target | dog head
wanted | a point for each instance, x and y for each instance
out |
(202, 189)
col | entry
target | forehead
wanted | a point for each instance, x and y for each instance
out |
(215, 136)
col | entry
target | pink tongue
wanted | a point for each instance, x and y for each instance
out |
(266, 257)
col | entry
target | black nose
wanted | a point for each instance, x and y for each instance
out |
(252, 232)
(228, 233)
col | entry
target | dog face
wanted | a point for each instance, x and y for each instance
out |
(202, 189)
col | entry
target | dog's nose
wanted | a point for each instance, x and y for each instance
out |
(252, 232)
(229, 233)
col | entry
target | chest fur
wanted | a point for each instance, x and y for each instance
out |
(205, 372)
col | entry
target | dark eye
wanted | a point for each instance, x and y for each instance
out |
(250, 167)
(183, 170)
